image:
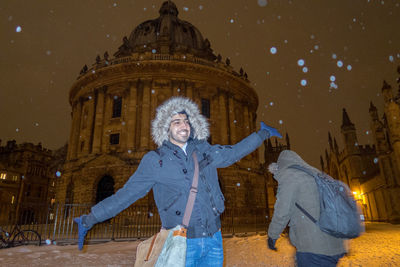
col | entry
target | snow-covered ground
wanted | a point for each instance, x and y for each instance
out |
(379, 246)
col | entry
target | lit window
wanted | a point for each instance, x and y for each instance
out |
(12, 199)
(15, 178)
(3, 176)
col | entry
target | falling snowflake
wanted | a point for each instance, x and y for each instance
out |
(18, 29)
(375, 160)
(262, 3)
(349, 67)
(238, 184)
(280, 122)
(185, 8)
(58, 173)
(273, 50)
(332, 78)
(300, 62)
(339, 63)
(303, 82)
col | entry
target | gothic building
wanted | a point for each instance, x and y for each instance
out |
(27, 178)
(114, 100)
(372, 172)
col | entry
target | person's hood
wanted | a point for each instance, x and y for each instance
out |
(160, 125)
(287, 158)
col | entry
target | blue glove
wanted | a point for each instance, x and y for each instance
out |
(271, 243)
(271, 131)
(82, 231)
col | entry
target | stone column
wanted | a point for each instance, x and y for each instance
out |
(246, 123)
(232, 120)
(108, 105)
(131, 117)
(223, 119)
(89, 126)
(153, 107)
(75, 131)
(189, 89)
(72, 131)
(145, 122)
(99, 121)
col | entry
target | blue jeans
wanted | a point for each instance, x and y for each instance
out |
(206, 251)
(306, 259)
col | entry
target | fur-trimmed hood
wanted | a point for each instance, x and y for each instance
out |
(160, 125)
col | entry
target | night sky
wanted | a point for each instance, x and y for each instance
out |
(307, 59)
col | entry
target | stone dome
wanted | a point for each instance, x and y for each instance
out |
(166, 35)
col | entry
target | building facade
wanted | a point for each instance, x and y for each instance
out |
(27, 178)
(372, 172)
(114, 101)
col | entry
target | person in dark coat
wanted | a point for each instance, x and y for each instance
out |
(180, 130)
(314, 247)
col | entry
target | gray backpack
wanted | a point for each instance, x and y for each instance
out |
(339, 214)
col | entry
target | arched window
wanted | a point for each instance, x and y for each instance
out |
(117, 107)
(105, 188)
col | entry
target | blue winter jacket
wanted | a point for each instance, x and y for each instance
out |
(169, 172)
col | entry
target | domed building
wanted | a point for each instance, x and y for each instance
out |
(114, 101)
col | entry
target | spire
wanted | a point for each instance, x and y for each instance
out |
(287, 141)
(326, 157)
(322, 162)
(330, 140)
(387, 92)
(373, 111)
(346, 120)
(335, 145)
(269, 145)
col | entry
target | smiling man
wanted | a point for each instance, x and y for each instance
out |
(179, 130)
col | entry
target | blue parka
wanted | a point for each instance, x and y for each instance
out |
(169, 172)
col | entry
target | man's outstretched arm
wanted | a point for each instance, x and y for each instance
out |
(224, 156)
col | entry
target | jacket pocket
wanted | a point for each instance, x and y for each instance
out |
(172, 201)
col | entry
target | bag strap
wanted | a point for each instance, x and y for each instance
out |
(192, 193)
(309, 172)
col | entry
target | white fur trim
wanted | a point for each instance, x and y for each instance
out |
(172, 106)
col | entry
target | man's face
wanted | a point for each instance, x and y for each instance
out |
(179, 130)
